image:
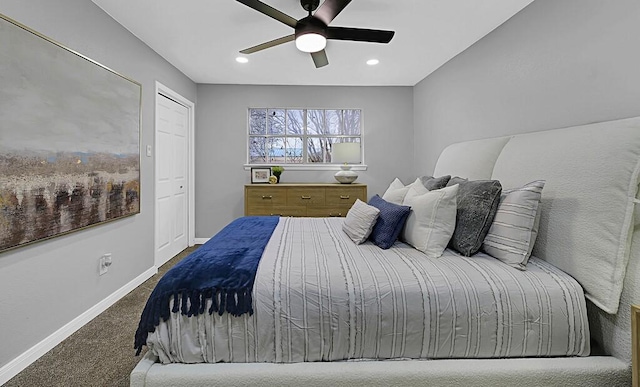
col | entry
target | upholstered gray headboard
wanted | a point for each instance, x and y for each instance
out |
(590, 210)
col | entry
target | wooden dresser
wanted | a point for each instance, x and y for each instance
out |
(314, 200)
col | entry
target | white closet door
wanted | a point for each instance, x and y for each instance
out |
(172, 152)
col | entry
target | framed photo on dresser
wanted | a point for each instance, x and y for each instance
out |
(260, 175)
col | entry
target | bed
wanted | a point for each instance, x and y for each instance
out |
(402, 318)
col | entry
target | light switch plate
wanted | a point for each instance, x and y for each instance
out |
(148, 150)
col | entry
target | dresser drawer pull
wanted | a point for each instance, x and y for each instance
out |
(338, 215)
(305, 197)
(276, 214)
(265, 197)
(344, 196)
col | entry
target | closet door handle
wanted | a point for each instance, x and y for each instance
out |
(266, 197)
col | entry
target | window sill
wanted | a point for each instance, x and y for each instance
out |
(307, 167)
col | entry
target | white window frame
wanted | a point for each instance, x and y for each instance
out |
(306, 166)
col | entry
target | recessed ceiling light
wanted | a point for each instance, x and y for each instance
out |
(373, 62)
(242, 59)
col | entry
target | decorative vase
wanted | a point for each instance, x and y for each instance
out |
(346, 175)
(277, 175)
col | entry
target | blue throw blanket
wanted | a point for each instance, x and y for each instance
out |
(222, 270)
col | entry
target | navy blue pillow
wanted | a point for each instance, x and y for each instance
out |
(390, 222)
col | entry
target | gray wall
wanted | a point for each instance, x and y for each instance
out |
(46, 285)
(221, 141)
(556, 63)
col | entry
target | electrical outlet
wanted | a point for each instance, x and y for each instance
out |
(104, 263)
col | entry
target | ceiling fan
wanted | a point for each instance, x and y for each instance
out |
(311, 32)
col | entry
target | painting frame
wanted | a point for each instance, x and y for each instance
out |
(71, 137)
(260, 175)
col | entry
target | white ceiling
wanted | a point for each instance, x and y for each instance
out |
(202, 38)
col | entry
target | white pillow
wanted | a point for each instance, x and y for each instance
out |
(397, 190)
(515, 226)
(432, 220)
(360, 221)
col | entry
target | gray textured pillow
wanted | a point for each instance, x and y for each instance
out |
(432, 183)
(515, 227)
(477, 206)
(360, 221)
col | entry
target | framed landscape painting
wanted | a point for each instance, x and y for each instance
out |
(69, 139)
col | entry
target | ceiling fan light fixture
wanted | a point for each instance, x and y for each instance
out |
(311, 42)
(311, 35)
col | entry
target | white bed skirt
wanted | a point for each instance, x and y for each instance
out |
(593, 371)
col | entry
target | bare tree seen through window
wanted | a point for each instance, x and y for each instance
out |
(296, 136)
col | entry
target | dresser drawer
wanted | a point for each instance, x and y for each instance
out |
(290, 211)
(268, 196)
(344, 196)
(277, 211)
(328, 212)
(305, 196)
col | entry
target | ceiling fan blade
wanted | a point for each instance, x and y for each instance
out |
(320, 58)
(270, 11)
(330, 9)
(269, 44)
(359, 34)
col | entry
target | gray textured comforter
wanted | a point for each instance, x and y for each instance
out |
(320, 297)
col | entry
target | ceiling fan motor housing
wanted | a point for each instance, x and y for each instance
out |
(309, 5)
(310, 25)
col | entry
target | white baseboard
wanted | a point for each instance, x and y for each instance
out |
(21, 362)
(200, 241)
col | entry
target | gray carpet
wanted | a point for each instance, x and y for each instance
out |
(100, 353)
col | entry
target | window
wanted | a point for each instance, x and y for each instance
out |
(300, 136)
